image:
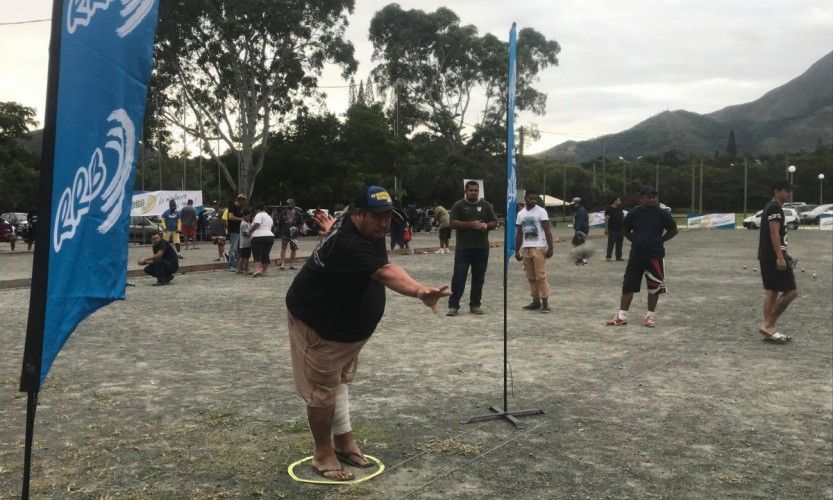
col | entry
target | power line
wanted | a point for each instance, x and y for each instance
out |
(30, 21)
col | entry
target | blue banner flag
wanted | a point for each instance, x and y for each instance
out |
(511, 179)
(105, 59)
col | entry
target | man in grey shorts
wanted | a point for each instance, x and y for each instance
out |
(334, 305)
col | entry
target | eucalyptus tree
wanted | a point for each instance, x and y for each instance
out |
(233, 71)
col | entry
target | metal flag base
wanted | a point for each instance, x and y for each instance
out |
(498, 412)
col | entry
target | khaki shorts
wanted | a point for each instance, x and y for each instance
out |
(171, 236)
(320, 365)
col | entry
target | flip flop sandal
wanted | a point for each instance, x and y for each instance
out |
(323, 473)
(777, 337)
(345, 457)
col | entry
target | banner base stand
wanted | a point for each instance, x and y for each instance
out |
(510, 416)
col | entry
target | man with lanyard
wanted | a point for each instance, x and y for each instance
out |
(289, 223)
(614, 217)
(171, 225)
(581, 226)
(472, 218)
(776, 263)
(235, 217)
(647, 227)
(533, 245)
(163, 263)
(334, 305)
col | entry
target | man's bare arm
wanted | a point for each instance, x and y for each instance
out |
(398, 280)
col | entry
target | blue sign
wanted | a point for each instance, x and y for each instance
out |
(105, 62)
(511, 179)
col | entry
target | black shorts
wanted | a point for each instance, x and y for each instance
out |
(261, 246)
(245, 253)
(775, 279)
(652, 268)
(445, 233)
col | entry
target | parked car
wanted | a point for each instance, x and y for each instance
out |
(812, 216)
(792, 221)
(794, 204)
(16, 219)
(141, 228)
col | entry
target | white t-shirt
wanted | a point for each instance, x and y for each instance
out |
(265, 222)
(530, 223)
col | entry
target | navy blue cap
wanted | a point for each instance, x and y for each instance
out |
(375, 199)
(648, 191)
(782, 183)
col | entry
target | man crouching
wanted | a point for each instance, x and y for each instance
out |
(334, 305)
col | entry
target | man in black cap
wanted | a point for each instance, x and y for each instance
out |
(647, 227)
(776, 263)
(334, 305)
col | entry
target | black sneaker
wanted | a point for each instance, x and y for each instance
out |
(533, 306)
(544, 308)
(475, 310)
(452, 311)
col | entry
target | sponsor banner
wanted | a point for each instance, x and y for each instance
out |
(826, 223)
(711, 221)
(156, 202)
(597, 219)
(511, 172)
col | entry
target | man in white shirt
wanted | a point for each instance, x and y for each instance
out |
(533, 246)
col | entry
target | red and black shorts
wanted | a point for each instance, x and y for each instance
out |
(652, 268)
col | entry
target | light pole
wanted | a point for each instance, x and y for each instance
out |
(791, 169)
(821, 179)
(625, 164)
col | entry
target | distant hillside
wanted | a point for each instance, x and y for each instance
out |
(789, 118)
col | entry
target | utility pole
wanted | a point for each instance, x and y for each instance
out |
(604, 167)
(701, 185)
(745, 178)
(564, 182)
(142, 157)
(692, 186)
(184, 145)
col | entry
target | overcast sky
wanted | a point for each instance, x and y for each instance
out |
(620, 61)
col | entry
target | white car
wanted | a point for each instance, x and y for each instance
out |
(754, 221)
(812, 216)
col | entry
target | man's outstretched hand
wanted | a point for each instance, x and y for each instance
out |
(430, 296)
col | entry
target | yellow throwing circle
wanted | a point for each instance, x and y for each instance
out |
(291, 471)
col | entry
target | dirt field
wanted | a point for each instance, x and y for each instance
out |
(185, 391)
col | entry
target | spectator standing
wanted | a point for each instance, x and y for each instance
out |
(334, 305)
(472, 218)
(171, 226)
(235, 217)
(398, 223)
(614, 217)
(533, 246)
(245, 243)
(262, 240)
(776, 262)
(445, 227)
(289, 224)
(164, 262)
(217, 229)
(581, 226)
(188, 216)
(647, 227)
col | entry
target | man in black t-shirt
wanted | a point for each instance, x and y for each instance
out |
(647, 227)
(163, 263)
(235, 216)
(334, 305)
(614, 217)
(776, 263)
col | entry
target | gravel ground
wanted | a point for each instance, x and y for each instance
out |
(185, 391)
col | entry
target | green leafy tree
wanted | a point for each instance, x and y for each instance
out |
(18, 175)
(236, 69)
(731, 147)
